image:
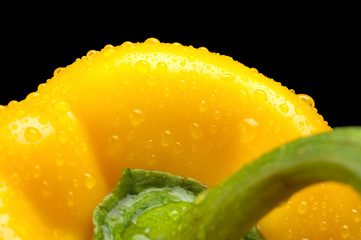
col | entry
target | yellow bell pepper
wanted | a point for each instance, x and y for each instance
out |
(159, 107)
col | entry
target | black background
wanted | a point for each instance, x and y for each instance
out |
(312, 53)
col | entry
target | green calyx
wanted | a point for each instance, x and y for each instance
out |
(143, 203)
(154, 205)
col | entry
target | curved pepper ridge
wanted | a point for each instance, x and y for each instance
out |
(136, 105)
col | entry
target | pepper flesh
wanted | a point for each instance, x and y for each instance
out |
(153, 106)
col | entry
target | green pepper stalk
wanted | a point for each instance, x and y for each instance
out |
(229, 210)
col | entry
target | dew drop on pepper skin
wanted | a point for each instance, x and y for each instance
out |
(356, 216)
(62, 136)
(70, 199)
(196, 131)
(58, 70)
(136, 117)
(302, 207)
(307, 99)
(142, 66)
(162, 67)
(89, 181)
(203, 106)
(178, 148)
(228, 77)
(323, 226)
(149, 143)
(46, 188)
(167, 138)
(260, 95)
(248, 129)
(36, 171)
(345, 232)
(61, 106)
(216, 115)
(32, 134)
(151, 41)
(284, 108)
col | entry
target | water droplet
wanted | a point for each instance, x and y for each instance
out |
(76, 183)
(46, 188)
(61, 106)
(196, 131)
(260, 95)
(298, 111)
(108, 50)
(108, 46)
(183, 63)
(182, 84)
(89, 181)
(91, 52)
(14, 126)
(162, 67)
(130, 136)
(43, 120)
(284, 108)
(345, 232)
(314, 206)
(166, 92)
(32, 134)
(59, 161)
(203, 106)
(65, 89)
(302, 207)
(36, 171)
(149, 143)
(204, 49)
(41, 86)
(254, 70)
(178, 148)
(356, 216)
(243, 96)
(58, 70)
(213, 128)
(289, 234)
(248, 129)
(62, 136)
(12, 103)
(191, 58)
(152, 159)
(174, 214)
(307, 99)
(323, 225)
(167, 138)
(216, 115)
(142, 66)
(70, 199)
(136, 117)
(151, 81)
(152, 41)
(228, 77)
(15, 178)
(126, 44)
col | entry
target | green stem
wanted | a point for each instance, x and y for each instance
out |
(229, 210)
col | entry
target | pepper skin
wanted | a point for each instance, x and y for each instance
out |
(147, 105)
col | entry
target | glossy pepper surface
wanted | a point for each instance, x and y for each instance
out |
(152, 106)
